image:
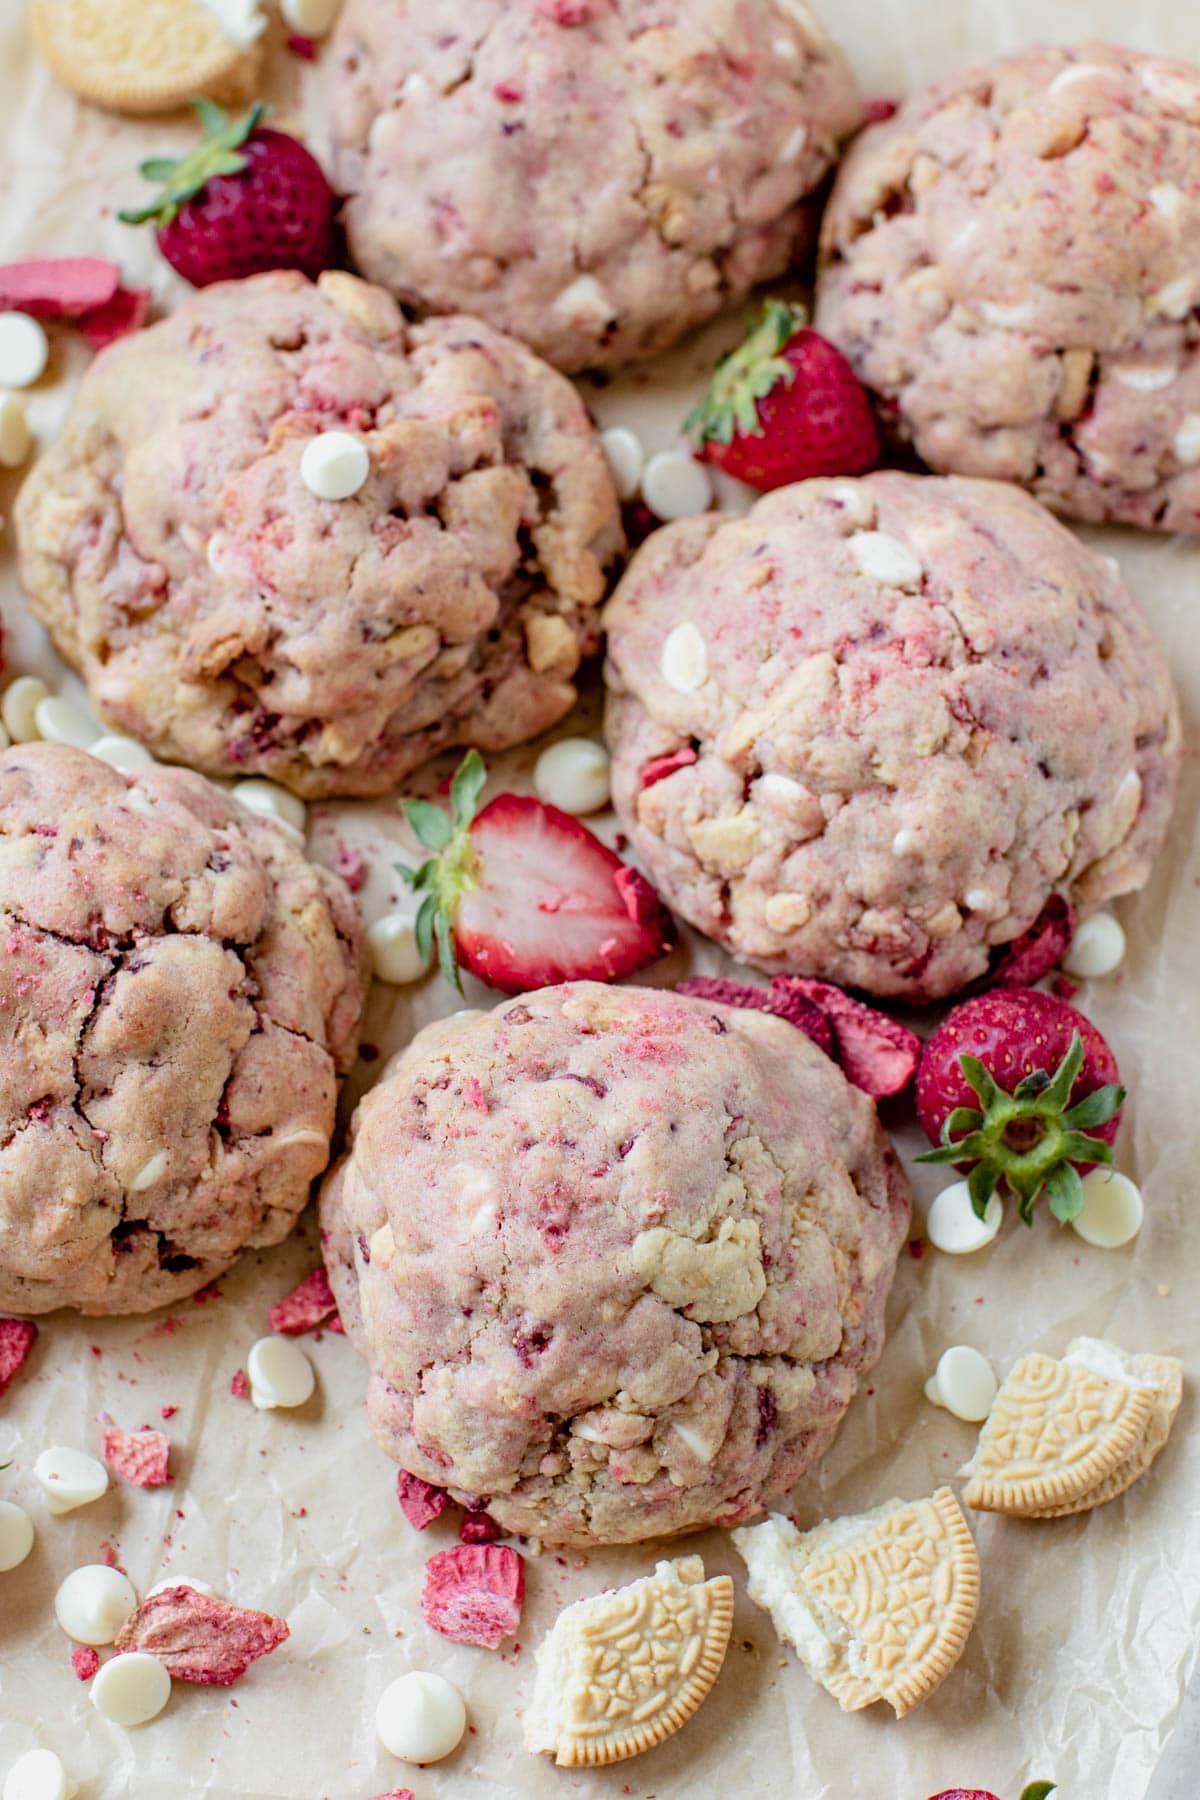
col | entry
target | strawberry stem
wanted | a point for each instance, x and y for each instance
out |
(185, 177)
(453, 869)
(746, 376)
(1031, 1139)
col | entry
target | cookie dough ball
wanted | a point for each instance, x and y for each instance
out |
(865, 732)
(1010, 264)
(231, 619)
(617, 1259)
(595, 176)
(179, 992)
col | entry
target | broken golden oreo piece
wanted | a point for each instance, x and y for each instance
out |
(149, 56)
(1065, 1436)
(621, 1671)
(877, 1605)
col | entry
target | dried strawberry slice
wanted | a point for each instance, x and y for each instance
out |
(125, 312)
(790, 1006)
(17, 1338)
(473, 1593)
(309, 1304)
(420, 1502)
(140, 1457)
(659, 767)
(478, 1527)
(198, 1638)
(57, 287)
(1037, 950)
(875, 1052)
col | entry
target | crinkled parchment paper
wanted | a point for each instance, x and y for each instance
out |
(1087, 1628)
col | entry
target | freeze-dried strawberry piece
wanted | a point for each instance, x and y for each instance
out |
(56, 287)
(138, 1456)
(239, 1386)
(1037, 950)
(125, 312)
(793, 1007)
(396, 1794)
(478, 1527)
(309, 1304)
(84, 1661)
(875, 1052)
(473, 1593)
(420, 1502)
(17, 1338)
(659, 767)
(198, 1638)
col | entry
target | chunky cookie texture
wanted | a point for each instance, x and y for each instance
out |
(179, 991)
(230, 619)
(617, 1259)
(919, 706)
(1010, 264)
(595, 176)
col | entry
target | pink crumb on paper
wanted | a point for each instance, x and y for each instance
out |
(351, 865)
(167, 1327)
(308, 1304)
(140, 1457)
(203, 1295)
(17, 1338)
(420, 1502)
(110, 1557)
(239, 1387)
(167, 1412)
(396, 1794)
(198, 1638)
(473, 1593)
(84, 1661)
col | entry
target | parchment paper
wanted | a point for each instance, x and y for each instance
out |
(1086, 1633)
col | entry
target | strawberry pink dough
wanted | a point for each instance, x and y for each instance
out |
(919, 705)
(595, 176)
(230, 619)
(635, 1292)
(1010, 264)
(179, 991)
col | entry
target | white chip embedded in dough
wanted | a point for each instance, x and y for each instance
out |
(335, 465)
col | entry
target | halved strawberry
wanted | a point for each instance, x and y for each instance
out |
(524, 896)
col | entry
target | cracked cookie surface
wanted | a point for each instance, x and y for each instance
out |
(595, 176)
(1009, 263)
(923, 707)
(229, 619)
(616, 1258)
(179, 992)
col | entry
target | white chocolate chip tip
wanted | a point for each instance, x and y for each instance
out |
(420, 1717)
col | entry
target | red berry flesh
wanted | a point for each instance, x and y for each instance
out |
(276, 213)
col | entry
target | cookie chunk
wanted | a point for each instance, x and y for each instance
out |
(1010, 265)
(617, 1259)
(231, 619)
(595, 176)
(918, 708)
(179, 992)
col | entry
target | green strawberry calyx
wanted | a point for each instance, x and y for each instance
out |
(453, 868)
(186, 176)
(1031, 1139)
(746, 376)
(1039, 1790)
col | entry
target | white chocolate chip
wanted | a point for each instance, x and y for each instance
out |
(149, 1173)
(392, 942)
(699, 1447)
(586, 301)
(982, 900)
(1171, 88)
(1076, 72)
(1097, 948)
(19, 707)
(16, 439)
(964, 1383)
(1166, 198)
(420, 1717)
(1187, 440)
(793, 148)
(311, 18)
(1144, 378)
(676, 486)
(131, 1688)
(903, 843)
(123, 753)
(1011, 314)
(24, 349)
(684, 660)
(335, 464)
(242, 21)
(16, 1535)
(93, 1603)
(1176, 299)
(69, 1478)
(573, 775)
(280, 1373)
(62, 721)
(885, 559)
(951, 1224)
(38, 1775)
(174, 1581)
(1113, 1209)
(626, 459)
(273, 802)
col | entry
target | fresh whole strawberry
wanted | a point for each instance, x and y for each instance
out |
(785, 406)
(1016, 1085)
(523, 896)
(1037, 1790)
(248, 199)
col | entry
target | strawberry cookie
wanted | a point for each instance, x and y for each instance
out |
(595, 176)
(179, 993)
(1010, 265)
(285, 534)
(617, 1259)
(866, 731)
